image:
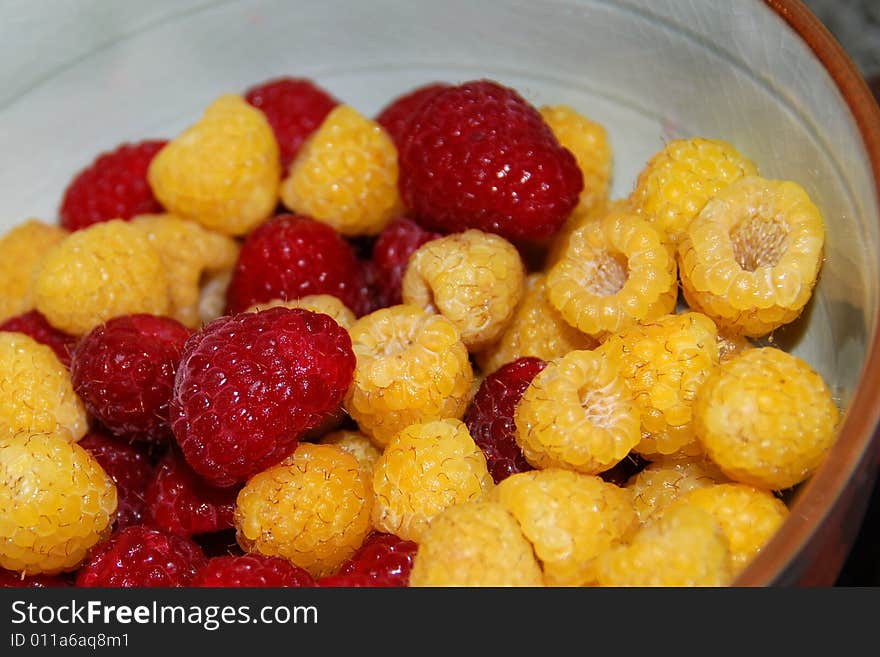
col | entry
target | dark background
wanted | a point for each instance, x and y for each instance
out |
(856, 25)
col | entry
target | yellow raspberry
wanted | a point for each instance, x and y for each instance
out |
(731, 345)
(319, 303)
(313, 509)
(475, 544)
(569, 518)
(190, 253)
(663, 481)
(358, 445)
(36, 391)
(751, 258)
(615, 272)
(748, 516)
(679, 179)
(537, 329)
(685, 547)
(21, 251)
(426, 468)
(100, 272)
(578, 219)
(411, 367)
(56, 502)
(474, 278)
(345, 175)
(588, 142)
(766, 418)
(578, 413)
(664, 362)
(223, 171)
(212, 296)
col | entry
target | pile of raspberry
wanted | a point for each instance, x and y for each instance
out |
(296, 345)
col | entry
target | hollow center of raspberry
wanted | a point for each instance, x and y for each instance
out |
(759, 241)
(607, 273)
(598, 405)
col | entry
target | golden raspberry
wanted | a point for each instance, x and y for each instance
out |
(320, 303)
(748, 516)
(100, 272)
(678, 180)
(475, 544)
(685, 547)
(36, 391)
(190, 254)
(569, 518)
(578, 219)
(426, 468)
(615, 272)
(474, 278)
(588, 142)
(56, 502)
(578, 413)
(664, 362)
(411, 367)
(766, 418)
(345, 175)
(212, 296)
(358, 445)
(313, 509)
(751, 258)
(21, 251)
(663, 481)
(730, 345)
(223, 171)
(537, 329)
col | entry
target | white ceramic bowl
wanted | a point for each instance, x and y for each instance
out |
(81, 77)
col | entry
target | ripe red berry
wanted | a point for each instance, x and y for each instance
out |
(250, 385)
(391, 252)
(384, 560)
(35, 325)
(180, 502)
(140, 556)
(478, 155)
(291, 256)
(251, 570)
(10, 579)
(113, 186)
(124, 372)
(294, 107)
(490, 416)
(130, 468)
(395, 116)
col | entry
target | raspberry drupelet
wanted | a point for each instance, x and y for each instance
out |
(312, 509)
(124, 371)
(291, 256)
(384, 560)
(113, 186)
(250, 571)
(56, 503)
(249, 385)
(391, 254)
(490, 416)
(474, 279)
(396, 115)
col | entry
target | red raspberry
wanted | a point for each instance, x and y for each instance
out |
(114, 186)
(291, 256)
(391, 253)
(384, 560)
(12, 580)
(250, 385)
(140, 556)
(129, 467)
(35, 325)
(294, 107)
(395, 116)
(179, 502)
(489, 417)
(477, 155)
(124, 372)
(251, 570)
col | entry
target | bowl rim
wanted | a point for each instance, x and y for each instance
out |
(853, 461)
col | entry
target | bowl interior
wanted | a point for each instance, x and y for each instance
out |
(649, 72)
